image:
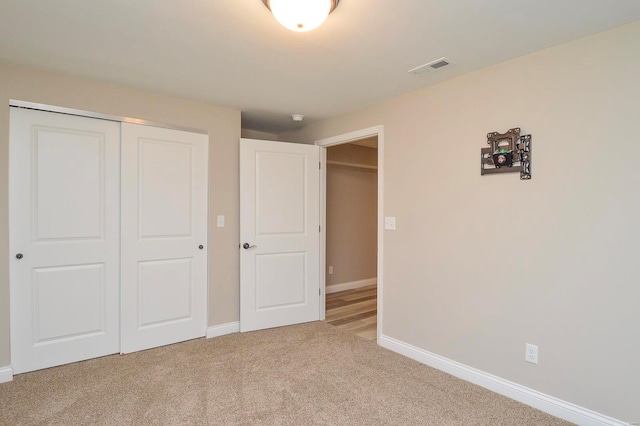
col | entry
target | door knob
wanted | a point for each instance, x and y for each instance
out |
(246, 246)
(200, 246)
(19, 256)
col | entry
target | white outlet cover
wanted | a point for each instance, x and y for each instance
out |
(220, 221)
(390, 223)
(531, 353)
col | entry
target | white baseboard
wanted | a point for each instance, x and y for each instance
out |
(6, 374)
(222, 329)
(548, 404)
(351, 285)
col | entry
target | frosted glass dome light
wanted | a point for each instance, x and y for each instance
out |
(301, 15)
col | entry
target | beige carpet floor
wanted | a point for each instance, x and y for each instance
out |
(309, 374)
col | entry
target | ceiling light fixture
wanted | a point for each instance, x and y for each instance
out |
(301, 15)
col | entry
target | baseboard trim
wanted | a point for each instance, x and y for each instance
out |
(222, 329)
(351, 285)
(548, 404)
(6, 374)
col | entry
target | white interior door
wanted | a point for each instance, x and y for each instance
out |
(279, 234)
(64, 214)
(164, 236)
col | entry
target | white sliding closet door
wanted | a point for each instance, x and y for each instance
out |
(64, 232)
(164, 236)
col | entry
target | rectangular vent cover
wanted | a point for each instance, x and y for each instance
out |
(431, 66)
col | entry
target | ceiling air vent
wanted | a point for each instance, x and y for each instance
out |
(432, 66)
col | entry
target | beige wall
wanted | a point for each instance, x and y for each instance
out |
(223, 126)
(352, 214)
(479, 265)
(254, 134)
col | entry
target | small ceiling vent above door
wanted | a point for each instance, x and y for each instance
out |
(431, 66)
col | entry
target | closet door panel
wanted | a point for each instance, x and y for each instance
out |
(164, 236)
(64, 237)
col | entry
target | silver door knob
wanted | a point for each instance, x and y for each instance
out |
(246, 246)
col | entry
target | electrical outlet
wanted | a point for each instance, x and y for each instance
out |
(330, 270)
(531, 353)
(220, 221)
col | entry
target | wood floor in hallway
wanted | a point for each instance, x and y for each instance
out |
(354, 310)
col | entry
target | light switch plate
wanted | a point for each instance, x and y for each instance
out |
(390, 223)
(220, 221)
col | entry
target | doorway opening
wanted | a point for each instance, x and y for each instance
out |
(352, 232)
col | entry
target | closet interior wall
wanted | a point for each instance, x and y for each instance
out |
(352, 199)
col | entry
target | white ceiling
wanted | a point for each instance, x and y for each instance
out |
(234, 54)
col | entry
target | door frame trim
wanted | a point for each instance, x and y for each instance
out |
(339, 140)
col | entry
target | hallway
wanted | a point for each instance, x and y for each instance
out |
(355, 311)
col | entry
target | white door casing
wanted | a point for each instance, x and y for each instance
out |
(64, 223)
(279, 223)
(163, 236)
